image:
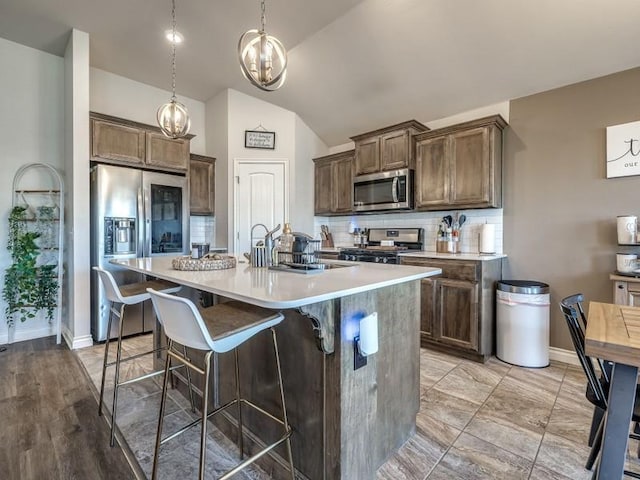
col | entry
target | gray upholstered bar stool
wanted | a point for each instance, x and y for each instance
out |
(124, 295)
(216, 329)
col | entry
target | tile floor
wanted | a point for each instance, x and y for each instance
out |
(492, 421)
(137, 417)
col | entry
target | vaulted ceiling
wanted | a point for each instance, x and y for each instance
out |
(354, 65)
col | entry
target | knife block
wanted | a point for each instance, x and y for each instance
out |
(327, 241)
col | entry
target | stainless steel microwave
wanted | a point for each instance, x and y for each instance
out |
(391, 190)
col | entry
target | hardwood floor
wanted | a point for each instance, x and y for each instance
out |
(49, 426)
(492, 421)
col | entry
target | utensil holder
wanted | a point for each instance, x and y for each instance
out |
(258, 256)
(447, 246)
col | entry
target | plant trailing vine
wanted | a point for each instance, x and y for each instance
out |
(28, 287)
(17, 224)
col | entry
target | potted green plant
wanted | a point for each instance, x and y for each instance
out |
(28, 286)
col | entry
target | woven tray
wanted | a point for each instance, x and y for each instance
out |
(211, 261)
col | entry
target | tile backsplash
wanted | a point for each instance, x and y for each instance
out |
(203, 229)
(341, 227)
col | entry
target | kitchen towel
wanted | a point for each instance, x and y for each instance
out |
(487, 243)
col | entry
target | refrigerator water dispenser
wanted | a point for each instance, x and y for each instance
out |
(119, 236)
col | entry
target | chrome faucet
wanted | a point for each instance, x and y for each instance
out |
(268, 241)
(258, 225)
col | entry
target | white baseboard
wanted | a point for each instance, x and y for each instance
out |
(564, 356)
(28, 334)
(67, 336)
(75, 343)
(82, 342)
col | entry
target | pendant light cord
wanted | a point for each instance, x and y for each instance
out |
(173, 54)
(263, 18)
(173, 117)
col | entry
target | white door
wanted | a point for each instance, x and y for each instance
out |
(261, 196)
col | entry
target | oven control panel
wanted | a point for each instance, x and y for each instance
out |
(368, 257)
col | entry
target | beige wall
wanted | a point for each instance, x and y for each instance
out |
(559, 207)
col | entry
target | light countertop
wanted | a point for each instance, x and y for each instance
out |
(423, 254)
(280, 290)
(624, 278)
(454, 256)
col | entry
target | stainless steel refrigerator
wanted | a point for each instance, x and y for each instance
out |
(134, 213)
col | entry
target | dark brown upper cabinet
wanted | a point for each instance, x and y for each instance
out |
(388, 148)
(124, 142)
(202, 184)
(167, 153)
(333, 183)
(460, 166)
(118, 143)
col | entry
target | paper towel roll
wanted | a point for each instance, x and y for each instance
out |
(487, 238)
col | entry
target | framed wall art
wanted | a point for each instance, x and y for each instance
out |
(259, 139)
(623, 150)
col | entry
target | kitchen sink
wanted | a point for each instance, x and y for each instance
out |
(308, 267)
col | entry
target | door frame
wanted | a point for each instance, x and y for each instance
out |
(258, 161)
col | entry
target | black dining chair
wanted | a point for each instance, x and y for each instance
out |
(575, 301)
(597, 385)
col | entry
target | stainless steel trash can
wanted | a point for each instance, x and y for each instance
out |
(522, 322)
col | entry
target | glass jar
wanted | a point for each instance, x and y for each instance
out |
(286, 244)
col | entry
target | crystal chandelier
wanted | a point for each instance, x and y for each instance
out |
(173, 117)
(263, 58)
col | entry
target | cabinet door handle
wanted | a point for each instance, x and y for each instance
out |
(394, 189)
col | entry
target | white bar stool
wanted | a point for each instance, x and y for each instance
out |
(124, 295)
(216, 329)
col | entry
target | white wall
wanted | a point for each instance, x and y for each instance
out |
(308, 146)
(295, 143)
(77, 330)
(31, 130)
(217, 121)
(248, 113)
(122, 97)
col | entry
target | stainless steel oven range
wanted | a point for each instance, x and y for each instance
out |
(384, 245)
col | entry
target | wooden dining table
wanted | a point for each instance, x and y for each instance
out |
(613, 333)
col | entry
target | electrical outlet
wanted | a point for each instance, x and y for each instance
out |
(358, 359)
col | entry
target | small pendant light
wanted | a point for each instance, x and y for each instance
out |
(263, 58)
(173, 117)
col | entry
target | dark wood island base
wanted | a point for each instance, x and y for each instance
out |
(346, 423)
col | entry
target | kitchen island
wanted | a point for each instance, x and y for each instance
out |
(346, 422)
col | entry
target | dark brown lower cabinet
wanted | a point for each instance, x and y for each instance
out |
(457, 303)
(458, 307)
